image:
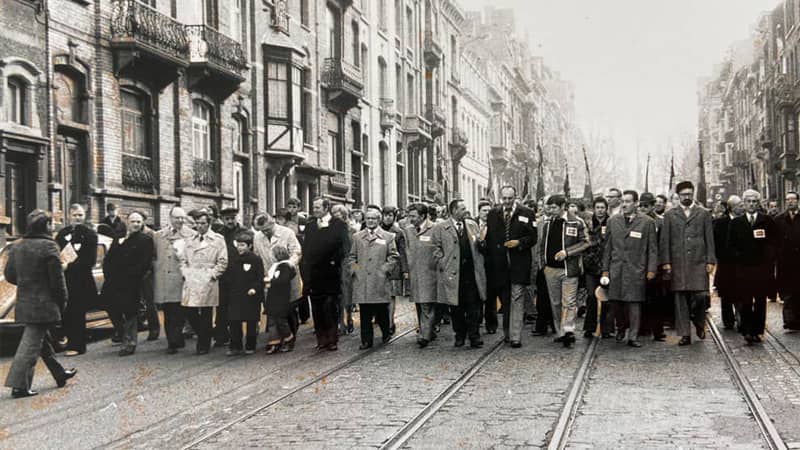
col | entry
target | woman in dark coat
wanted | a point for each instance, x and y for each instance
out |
(80, 282)
(34, 266)
(128, 260)
(246, 274)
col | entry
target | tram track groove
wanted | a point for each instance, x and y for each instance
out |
(400, 437)
(765, 424)
(327, 373)
(563, 428)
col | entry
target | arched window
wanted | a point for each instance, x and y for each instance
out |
(383, 82)
(17, 101)
(201, 131)
(70, 101)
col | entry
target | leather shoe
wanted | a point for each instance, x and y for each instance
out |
(569, 339)
(126, 352)
(491, 331)
(476, 344)
(539, 333)
(68, 373)
(423, 343)
(22, 393)
(364, 346)
(386, 339)
(701, 331)
(636, 344)
(686, 340)
(755, 338)
(660, 337)
(620, 335)
(516, 344)
(459, 343)
(588, 334)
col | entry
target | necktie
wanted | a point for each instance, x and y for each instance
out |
(752, 219)
(460, 228)
(201, 238)
(507, 222)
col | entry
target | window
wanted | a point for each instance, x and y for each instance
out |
(307, 107)
(297, 97)
(366, 163)
(409, 28)
(365, 70)
(410, 94)
(383, 86)
(210, 13)
(16, 104)
(69, 97)
(398, 80)
(239, 140)
(304, 15)
(201, 131)
(337, 152)
(134, 125)
(277, 91)
(332, 22)
(236, 19)
(356, 47)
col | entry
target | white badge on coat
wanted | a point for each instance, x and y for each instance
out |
(636, 234)
(572, 231)
(246, 267)
(523, 219)
(759, 233)
(603, 230)
(121, 240)
(77, 246)
(68, 237)
(424, 238)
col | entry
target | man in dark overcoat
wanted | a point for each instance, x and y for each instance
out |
(788, 262)
(596, 311)
(509, 235)
(324, 251)
(229, 231)
(80, 281)
(687, 254)
(124, 268)
(629, 261)
(752, 241)
(725, 275)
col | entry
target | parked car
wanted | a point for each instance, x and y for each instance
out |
(98, 324)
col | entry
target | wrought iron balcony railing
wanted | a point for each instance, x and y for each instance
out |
(207, 45)
(137, 24)
(204, 174)
(137, 173)
(340, 74)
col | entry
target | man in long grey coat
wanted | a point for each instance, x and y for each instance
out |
(205, 260)
(461, 278)
(170, 243)
(630, 260)
(373, 255)
(687, 254)
(421, 267)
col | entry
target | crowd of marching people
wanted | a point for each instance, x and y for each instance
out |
(628, 265)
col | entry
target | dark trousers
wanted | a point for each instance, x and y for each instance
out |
(303, 310)
(150, 310)
(377, 311)
(791, 311)
(654, 310)
(174, 317)
(201, 321)
(323, 309)
(126, 325)
(728, 314)
(604, 315)
(427, 317)
(36, 342)
(490, 322)
(544, 311)
(235, 327)
(690, 308)
(467, 315)
(628, 315)
(221, 334)
(753, 313)
(74, 326)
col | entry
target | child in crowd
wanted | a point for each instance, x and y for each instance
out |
(279, 304)
(247, 284)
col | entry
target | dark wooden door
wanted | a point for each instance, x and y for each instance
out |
(75, 182)
(20, 192)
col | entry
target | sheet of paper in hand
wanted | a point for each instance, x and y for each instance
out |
(68, 255)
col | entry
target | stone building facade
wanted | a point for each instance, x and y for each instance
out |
(155, 103)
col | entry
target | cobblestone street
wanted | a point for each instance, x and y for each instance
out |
(659, 396)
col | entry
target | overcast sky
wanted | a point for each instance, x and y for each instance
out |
(635, 63)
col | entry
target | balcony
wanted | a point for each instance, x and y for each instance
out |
(387, 114)
(344, 83)
(436, 116)
(338, 183)
(204, 174)
(458, 144)
(417, 129)
(433, 52)
(216, 61)
(137, 173)
(147, 44)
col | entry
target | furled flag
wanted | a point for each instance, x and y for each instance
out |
(540, 176)
(566, 180)
(587, 187)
